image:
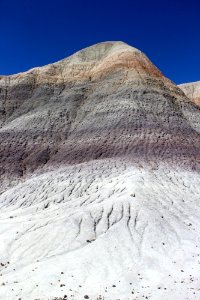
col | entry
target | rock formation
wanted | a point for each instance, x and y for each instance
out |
(192, 91)
(100, 188)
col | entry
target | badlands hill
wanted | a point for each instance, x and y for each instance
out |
(100, 181)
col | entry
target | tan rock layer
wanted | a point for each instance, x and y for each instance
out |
(192, 91)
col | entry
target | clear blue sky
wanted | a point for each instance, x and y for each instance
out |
(38, 32)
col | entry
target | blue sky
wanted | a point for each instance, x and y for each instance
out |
(38, 32)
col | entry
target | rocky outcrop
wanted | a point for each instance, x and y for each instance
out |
(192, 91)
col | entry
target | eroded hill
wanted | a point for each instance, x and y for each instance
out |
(100, 180)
